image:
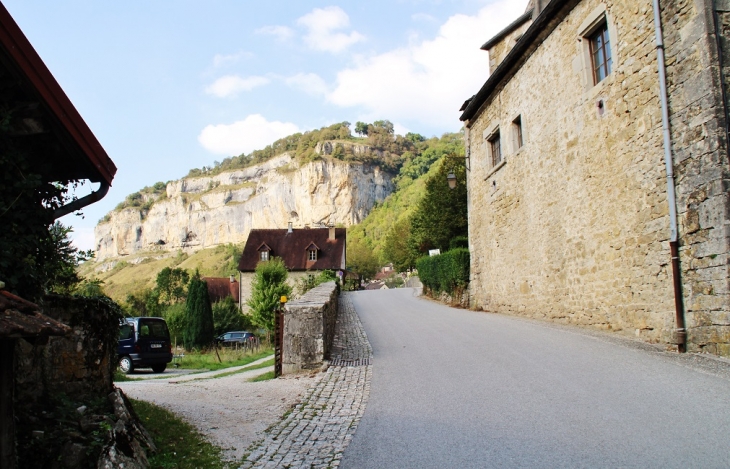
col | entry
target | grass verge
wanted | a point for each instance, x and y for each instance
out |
(179, 444)
(264, 377)
(229, 358)
(265, 364)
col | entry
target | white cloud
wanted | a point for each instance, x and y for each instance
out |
(310, 83)
(282, 33)
(252, 133)
(231, 85)
(322, 25)
(220, 60)
(427, 81)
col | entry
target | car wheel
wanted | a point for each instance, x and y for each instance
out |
(159, 368)
(126, 365)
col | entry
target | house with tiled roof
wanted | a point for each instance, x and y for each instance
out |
(304, 251)
(220, 288)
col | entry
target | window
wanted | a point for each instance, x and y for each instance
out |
(264, 255)
(517, 133)
(600, 49)
(312, 255)
(495, 149)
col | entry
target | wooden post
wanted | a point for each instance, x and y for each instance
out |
(7, 421)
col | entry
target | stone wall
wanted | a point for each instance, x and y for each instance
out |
(309, 328)
(574, 226)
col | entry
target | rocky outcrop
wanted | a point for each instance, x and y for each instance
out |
(202, 212)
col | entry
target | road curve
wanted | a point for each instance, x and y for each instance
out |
(453, 388)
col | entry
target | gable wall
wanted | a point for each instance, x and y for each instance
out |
(575, 227)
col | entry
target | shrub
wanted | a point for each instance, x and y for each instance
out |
(267, 288)
(227, 317)
(446, 272)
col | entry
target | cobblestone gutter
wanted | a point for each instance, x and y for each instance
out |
(317, 431)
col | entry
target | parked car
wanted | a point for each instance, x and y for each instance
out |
(144, 343)
(235, 337)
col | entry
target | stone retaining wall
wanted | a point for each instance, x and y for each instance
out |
(309, 327)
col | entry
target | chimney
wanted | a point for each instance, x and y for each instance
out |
(233, 278)
(332, 232)
(290, 228)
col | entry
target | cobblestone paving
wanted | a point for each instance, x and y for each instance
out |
(317, 431)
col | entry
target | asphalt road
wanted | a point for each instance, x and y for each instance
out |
(454, 388)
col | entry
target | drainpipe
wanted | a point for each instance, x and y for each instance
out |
(681, 331)
(78, 204)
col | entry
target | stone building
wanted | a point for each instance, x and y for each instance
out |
(304, 251)
(580, 164)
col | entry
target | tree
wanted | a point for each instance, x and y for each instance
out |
(227, 317)
(171, 284)
(63, 260)
(441, 214)
(199, 328)
(361, 128)
(267, 288)
(361, 259)
(396, 248)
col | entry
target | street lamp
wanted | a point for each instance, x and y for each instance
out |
(451, 177)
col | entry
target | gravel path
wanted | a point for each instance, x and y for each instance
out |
(231, 411)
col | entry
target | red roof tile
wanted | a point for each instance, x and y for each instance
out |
(220, 288)
(292, 248)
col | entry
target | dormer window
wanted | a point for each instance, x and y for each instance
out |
(264, 252)
(312, 250)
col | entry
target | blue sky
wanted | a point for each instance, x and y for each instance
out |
(167, 86)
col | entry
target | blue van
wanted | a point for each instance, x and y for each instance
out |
(144, 343)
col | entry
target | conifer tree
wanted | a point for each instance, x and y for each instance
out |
(198, 331)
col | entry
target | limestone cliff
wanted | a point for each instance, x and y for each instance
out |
(202, 212)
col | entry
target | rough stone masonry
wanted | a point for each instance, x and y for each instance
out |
(572, 224)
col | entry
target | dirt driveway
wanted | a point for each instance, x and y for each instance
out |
(231, 411)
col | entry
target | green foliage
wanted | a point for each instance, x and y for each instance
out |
(90, 288)
(396, 248)
(361, 128)
(143, 303)
(179, 444)
(446, 272)
(459, 242)
(31, 261)
(198, 332)
(171, 285)
(176, 315)
(267, 288)
(227, 317)
(305, 284)
(360, 256)
(62, 276)
(442, 213)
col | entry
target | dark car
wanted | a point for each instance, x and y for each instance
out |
(144, 343)
(235, 337)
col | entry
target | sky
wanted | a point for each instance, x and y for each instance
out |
(171, 85)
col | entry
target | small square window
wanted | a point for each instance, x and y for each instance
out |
(495, 149)
(264, 255)
(312, 255)
(600, 49)
(517, 133)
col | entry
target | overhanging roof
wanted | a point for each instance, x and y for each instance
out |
(542, 26)
(43, 118)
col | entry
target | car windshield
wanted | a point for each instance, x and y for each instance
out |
(153, 328)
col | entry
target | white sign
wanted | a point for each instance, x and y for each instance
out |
(434, 252)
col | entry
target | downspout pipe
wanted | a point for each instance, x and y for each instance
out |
(680, 331)
(78, 204)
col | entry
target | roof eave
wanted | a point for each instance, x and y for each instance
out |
(50, 92)
(541, 28)
(508, 30)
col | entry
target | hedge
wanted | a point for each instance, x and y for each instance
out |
(446, 272)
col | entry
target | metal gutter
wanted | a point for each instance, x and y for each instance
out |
(681, 331)
(78, 204)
